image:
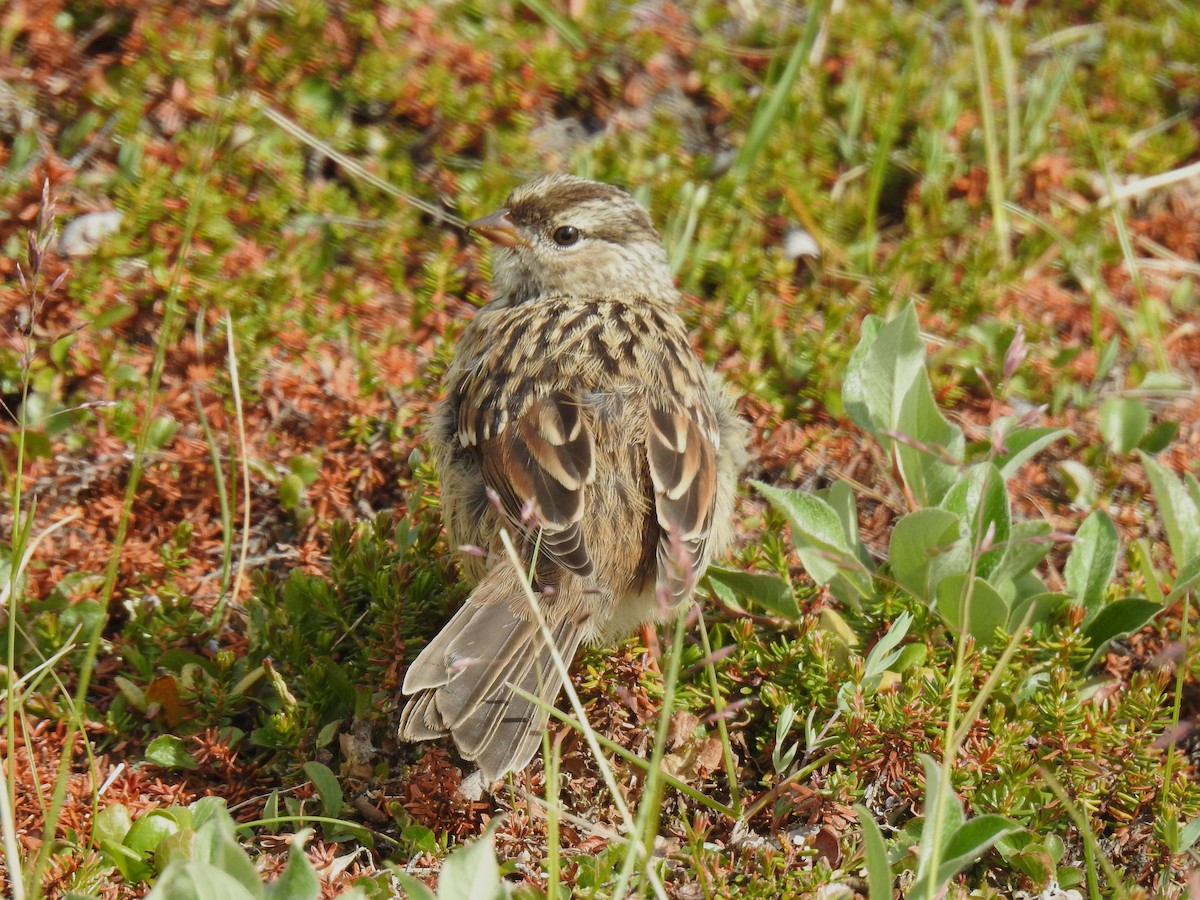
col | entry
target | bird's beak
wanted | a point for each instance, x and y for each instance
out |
(499, 228)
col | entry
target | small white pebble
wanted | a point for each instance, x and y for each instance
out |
(797, 243)
(82, 235)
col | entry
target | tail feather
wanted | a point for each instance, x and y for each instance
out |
(476, 673)
(461, 686)
(476, 631)
(497, 705)
(516, 734)
(420, 720)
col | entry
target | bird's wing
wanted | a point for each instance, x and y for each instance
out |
(681, 447)
(540, 464)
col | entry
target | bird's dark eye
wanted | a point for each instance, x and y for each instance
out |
(565, 235)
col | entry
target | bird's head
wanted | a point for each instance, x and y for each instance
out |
(566, 235)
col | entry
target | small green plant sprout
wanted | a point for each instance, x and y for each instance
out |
(303, 470)
(784, 754)
(1125, 426)
(885, 657)
(1039, 859)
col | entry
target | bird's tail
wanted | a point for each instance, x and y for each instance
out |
(462, 682)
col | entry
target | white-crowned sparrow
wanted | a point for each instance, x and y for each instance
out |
(577, 416)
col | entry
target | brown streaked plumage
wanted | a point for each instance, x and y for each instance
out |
(575, 398)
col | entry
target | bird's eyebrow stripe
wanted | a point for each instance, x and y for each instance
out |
(539, 211)
(539, 207)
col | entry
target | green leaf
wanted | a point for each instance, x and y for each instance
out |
(1159, 437)
(108, 831)
(1027, 546)
(1022, 445)
(1015, 842)
(1077, 479)
(1027, 856)
(143, 841)
(1185, 580)
(149, 831)
(980, 499)
(471, 872)
(298, 881)
(112, 824)
(963, 841)
(881, 370)
(842, 638)
(929, 466)
(879, 871)
(162, 429)
(112, 315)
(853, 395)
(419, 838)
(1123, 422)
(1163, 384)
(769, 591)
(727, 596)
(135, 696)
(168, 751)
(306, 466)
(926, 546)
(328, 732)
(134, 868)
(1055, 847)
(270, 812)
(1116, 620)
(850, 591)
(1092, 563)
(911, 656)
(1178, 507)
(1188, 835)
(200, 881)
(970, 841)
(1044, 605)
(175, 848)
(327, 787)
(37, 444)
(416, 890)
(291, 491)
(87, 614)
(209, 808)
(1069, 876)
(950, 809)
(782, 755)
(1025, 586)
(215, 848)
(818, 537)
(840, 497)
(883, 654)
(985, 609)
